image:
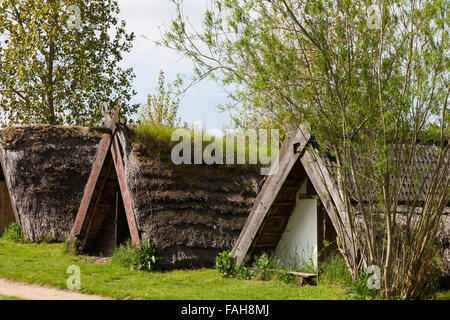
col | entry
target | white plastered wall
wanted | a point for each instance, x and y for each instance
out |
(298, 244)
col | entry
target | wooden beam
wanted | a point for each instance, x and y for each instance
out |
(102, 151)
(290, 151)
(271, 233)
(284, 203)
(95, 206)
(120, 169)
(8, 186)
(112, 117)
(327, 189)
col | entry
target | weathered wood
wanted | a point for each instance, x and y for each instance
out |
(109, 143)
(304, 278)
(289, 153)
(328, 192)
(116, 219)
(8, 187)
(100, 157)
(6, 210)
(284, 203)
(94, 208)
(303, 274)
(272, 233)
(112, 117)
(120, 169)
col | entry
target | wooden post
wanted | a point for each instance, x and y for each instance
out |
(90, 186)
(290, 151)
(109, 143)
(115, 220)
(126, 198)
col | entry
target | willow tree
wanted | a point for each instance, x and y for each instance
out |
(59, 60)
(371, 80)
(161, 108)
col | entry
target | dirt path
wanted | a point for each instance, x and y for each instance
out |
(37, 292)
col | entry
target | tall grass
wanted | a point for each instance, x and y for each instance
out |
(158, 140)
(335, 271)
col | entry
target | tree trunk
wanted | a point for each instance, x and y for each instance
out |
(50, 94)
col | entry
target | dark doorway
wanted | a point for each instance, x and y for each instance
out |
(107, 222)
(326, 235)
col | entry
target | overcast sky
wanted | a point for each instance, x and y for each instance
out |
(143, 18)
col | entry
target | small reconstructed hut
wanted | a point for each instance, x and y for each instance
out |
(298, 205)
(44, 171)
(189, 212)
(105, 187)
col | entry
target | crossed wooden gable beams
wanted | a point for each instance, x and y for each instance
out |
(293, 154)
(103, 170)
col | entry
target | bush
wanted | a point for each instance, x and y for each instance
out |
(265, 267)
(359, 289)
(136, 257)
(335, 271)
(245, 273)
(226, 264)
(13, 233)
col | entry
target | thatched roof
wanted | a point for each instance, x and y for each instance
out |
(47, 168)
(300, 159)
(189, 212)
(415, 170)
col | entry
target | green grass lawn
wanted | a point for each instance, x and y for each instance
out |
(3, 297)
(443, 295)
(46, 264)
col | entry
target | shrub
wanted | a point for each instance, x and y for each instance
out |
(359, 289)
(13, 233)
(136, 257)
(226, 264)
(245, 273)
(265, 267)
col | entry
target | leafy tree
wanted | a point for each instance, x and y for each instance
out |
(59, 60)
(161, 109)
(371, 81)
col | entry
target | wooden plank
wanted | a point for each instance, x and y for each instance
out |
(303, 274)
(103, 148)
(328, 192)
(112, 117)
(271, 233)
(285, 203)
(285, 217)
(8, 186)
(289, 153)
(264, 245)
(115, 220)
(120, 169)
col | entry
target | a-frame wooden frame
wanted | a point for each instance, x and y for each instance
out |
(8, 187)
(108, 143)
(295, 142)
(293, 150)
